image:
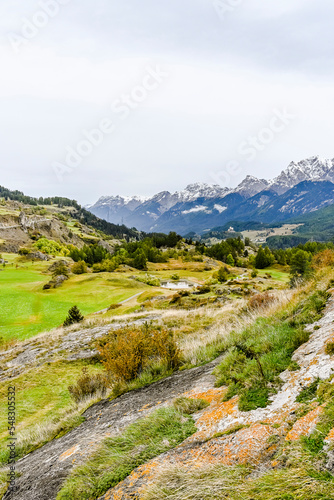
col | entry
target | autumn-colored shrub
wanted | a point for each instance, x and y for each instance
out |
(126, 353)
(260, 300)
(323, 259)
(88, 385)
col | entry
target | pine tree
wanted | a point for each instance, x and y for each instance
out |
(140, 260)
(74, 316)
(300, 263)
(264, 258)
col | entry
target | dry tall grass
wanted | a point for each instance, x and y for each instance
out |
(229, 318)
(218, 482)
(41, 433)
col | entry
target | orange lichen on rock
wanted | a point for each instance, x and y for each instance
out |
(211, 395)
(137, 480)
(213, 415)
(304, 425)
(68, 453)
(330, 436)
(116, 495)
(246, 445)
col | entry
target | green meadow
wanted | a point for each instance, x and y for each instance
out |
(27, 309)
(43, 393)
(278, 273)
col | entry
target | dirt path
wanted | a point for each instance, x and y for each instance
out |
(122, 302)
(43, 471)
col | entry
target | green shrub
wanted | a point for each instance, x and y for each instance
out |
(24, 251)
(50, 247)
(106, 266)
(60, 269)
(189, 405)
(148, 280)
(79, 267)
(230, 260)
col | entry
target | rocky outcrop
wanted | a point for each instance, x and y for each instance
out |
(225, 435)
(17, 228)
(56, 282)
(38, 256)
(42, 473)
(34, 223)
(228, 436)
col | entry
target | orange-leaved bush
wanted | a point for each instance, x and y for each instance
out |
(126, 353)
(323, 259)
(261, 300)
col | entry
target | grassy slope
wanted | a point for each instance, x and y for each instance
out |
(42, 393)
(278, 273)
(110, 464)
(41, 310)
(30, 310)
(44, 408)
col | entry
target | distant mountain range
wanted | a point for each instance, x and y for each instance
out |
(303, 187)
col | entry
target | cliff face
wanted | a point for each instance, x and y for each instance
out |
(16, 229)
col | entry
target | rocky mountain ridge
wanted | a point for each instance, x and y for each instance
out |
(158, 213)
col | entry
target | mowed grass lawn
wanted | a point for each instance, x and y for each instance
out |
(26, 309)
(278, 273)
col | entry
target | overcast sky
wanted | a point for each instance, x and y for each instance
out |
(182, 91)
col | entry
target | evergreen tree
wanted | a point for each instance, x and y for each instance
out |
(140, 260)
(300, 263)
(74, 316)
(264, 258)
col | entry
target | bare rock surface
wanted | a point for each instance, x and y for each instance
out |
(43, 471)
(260, 431)
(251, 436)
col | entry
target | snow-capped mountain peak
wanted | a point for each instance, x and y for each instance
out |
(165, 210)
(201, 190)
(314, 168)
(251, 185)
